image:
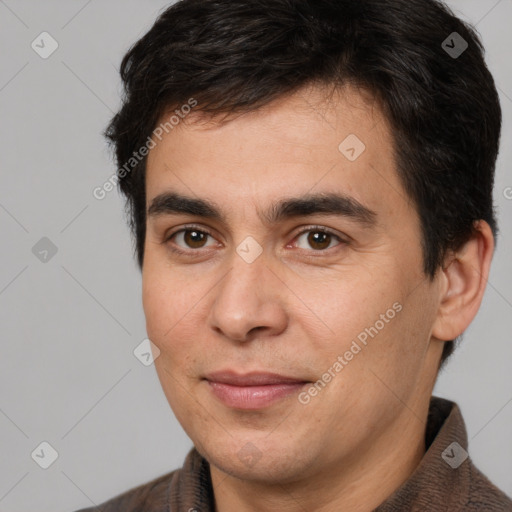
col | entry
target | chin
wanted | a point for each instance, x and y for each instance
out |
(263, 461)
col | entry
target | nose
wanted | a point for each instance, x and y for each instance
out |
(250, 302)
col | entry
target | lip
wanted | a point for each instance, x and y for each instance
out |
(251, 379)
(254, 390)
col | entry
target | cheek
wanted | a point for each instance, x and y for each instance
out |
(172, 307)
(367, 319)
(156, 307)
(344, 305)
(398, 354)
(163, 300)
(165, 309)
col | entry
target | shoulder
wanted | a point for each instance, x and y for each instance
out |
(468, 488)
(186, 488)
(484, 495)
(148, 497)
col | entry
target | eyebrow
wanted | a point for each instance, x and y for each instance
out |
(287, 208)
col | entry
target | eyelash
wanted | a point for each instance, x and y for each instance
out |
(192, 227)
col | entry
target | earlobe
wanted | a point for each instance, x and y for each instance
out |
(464, 278)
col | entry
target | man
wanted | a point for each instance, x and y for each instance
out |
(310, 189)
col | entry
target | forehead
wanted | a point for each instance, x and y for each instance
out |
(313, 141)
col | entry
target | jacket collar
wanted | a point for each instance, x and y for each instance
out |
(441, 480)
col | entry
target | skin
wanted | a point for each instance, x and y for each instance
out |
(296, 308)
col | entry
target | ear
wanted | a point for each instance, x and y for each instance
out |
(463, 279)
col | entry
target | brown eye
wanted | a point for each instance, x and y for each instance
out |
(189, 238)
(194, 239)
(317, 239)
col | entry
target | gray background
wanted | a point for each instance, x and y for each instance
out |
(68, 374)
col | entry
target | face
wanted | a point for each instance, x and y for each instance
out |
(274, 278)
